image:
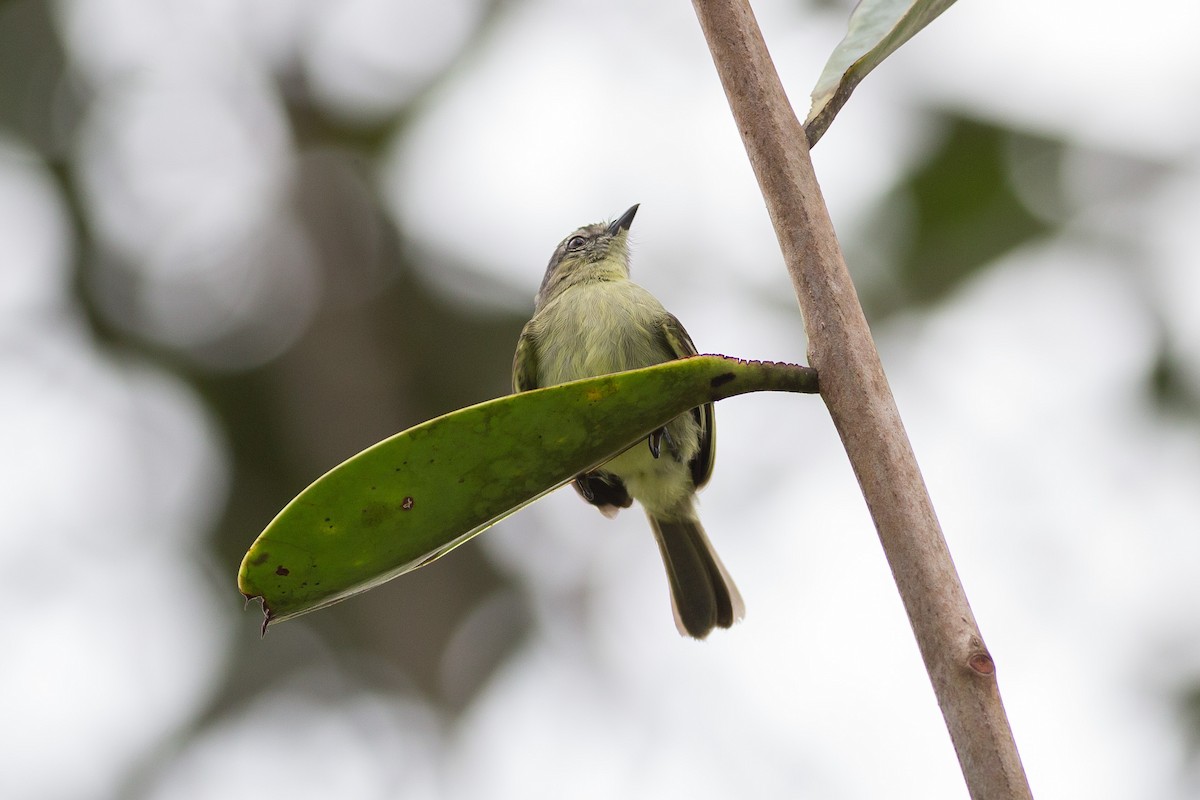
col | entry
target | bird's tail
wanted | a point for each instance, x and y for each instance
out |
(703, 595)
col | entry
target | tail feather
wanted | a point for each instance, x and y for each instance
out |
(703, 595)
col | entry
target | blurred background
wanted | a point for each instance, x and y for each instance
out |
(241, 241)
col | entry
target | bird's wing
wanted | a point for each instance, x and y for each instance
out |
(676, 340)
(525, 362)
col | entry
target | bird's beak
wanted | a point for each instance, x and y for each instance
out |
(624, 222)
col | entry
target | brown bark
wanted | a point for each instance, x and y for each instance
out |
(860, 402)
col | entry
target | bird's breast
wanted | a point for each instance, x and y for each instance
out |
(596, 329)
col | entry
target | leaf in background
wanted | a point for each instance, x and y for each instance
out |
(415, 496)
(877, 28)
(966, 206)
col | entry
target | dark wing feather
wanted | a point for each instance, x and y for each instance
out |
(676, 340)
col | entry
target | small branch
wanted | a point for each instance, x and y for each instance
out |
(862, 407)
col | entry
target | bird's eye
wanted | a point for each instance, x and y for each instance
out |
(576, 242)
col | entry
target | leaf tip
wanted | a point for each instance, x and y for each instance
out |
(268, 617)
(249, 595)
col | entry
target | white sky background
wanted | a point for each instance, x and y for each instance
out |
(1070, 509)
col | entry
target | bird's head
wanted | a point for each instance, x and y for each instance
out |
(592, 253)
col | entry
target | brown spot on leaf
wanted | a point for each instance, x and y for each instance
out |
(259, 559)
(282, 571)
(722, 379)
(407, 504)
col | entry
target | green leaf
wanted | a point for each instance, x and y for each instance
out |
(877, 29)
(417, 495)
(965, 209)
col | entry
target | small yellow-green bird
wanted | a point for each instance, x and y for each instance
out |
(590, 319)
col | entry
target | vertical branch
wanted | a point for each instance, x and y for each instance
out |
(862, 407)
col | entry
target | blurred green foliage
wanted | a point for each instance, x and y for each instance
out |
(36, 100)
(966, 209)
(961, 210)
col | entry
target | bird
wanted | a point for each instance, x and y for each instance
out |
(590, 319)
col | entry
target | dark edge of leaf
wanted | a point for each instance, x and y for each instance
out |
(816, 128)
